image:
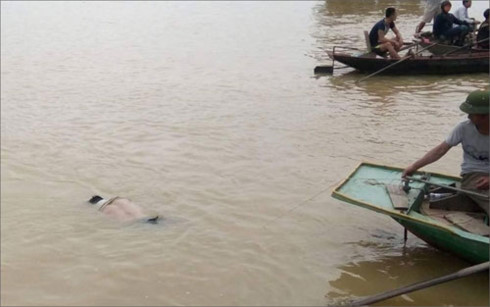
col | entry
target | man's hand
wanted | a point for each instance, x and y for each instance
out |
(409, 171)
(482, 183)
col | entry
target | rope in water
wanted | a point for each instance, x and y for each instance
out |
(302, 203)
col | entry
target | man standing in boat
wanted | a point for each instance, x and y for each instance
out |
(432, 9)
(473, 134)
(377, 36)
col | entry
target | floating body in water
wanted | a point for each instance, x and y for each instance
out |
(122, 209)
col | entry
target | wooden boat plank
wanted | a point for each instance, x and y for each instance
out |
(398, 196)
(436, 214)
(469, 222)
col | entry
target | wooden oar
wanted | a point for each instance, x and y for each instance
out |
(422, 285)
(449, 187)
(393, 64)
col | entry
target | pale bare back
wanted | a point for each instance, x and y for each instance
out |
(122, 209)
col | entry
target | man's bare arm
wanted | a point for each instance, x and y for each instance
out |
(433, 155)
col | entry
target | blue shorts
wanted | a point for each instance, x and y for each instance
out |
(378, 51)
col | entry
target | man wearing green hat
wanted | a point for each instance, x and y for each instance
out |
(473, 134)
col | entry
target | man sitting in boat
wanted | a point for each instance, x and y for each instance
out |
(443, 28)
(473, 134)
(377, 36)
(462, 14)
(122, 209)
(482, 36)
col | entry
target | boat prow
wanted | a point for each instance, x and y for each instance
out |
(379, 188)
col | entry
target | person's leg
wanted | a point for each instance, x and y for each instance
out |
(377, 50)
(400, 44)
(391, 50)
(464, 32)
(419, 27)
(454, 33)
(469, 183)
(429, 14)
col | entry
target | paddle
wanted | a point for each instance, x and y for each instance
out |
(393, 64)
(449, 187)
(422, 285)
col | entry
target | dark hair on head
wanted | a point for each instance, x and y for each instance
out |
(95, 199)
(444, 3)
(485, 14)
(465, 1)
(390, 11)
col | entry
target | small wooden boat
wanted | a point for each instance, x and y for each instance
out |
(379, 188)
(475, 62)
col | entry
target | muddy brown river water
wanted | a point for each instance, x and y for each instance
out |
(209, 113)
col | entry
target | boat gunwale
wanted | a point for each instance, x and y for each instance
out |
(448, 48)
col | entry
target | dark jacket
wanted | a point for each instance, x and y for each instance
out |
(444, 22)
(483, 34)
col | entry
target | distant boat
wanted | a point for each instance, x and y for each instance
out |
(456, 63)
(378, 188)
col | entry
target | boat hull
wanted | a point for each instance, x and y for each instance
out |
(469, 250)
(367, 187)
(439, 65)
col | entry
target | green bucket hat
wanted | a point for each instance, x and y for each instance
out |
(477, 102)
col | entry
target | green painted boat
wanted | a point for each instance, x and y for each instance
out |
(380, 188)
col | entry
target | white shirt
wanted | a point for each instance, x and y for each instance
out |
(432, 4)
(462, 14)
(475, 147)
